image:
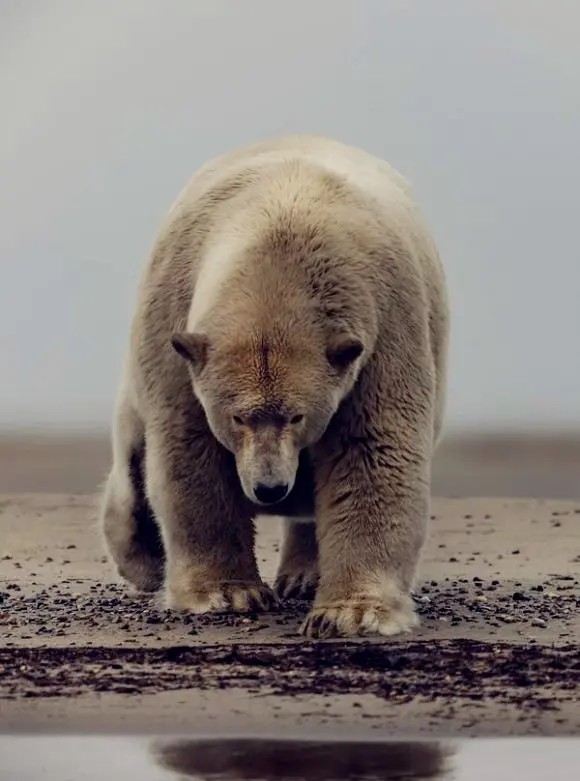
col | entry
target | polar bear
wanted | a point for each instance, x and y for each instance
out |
(287, 357)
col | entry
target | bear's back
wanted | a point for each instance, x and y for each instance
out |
(369, 175)
(243, 193)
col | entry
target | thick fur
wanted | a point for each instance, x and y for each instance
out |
(299, 282)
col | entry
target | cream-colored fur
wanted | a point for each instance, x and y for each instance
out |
(290, 340)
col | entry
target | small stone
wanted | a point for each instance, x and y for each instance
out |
(539, 622)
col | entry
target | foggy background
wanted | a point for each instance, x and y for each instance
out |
(108, 108)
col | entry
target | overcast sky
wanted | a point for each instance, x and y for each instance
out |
(108, 107)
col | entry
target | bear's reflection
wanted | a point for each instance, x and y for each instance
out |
(262, 760)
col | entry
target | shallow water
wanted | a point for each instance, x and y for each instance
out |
(161, 759)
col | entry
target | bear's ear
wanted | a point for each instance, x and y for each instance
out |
(343, 351)
(193, 347)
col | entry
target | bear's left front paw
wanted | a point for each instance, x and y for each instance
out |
(358, 617)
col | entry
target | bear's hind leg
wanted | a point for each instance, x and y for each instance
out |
(297, 575)
(129, 527)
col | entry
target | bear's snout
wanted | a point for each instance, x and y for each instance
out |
(270, 494)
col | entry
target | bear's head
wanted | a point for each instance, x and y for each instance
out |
(267, 396)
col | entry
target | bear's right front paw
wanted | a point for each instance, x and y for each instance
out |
(225, 597)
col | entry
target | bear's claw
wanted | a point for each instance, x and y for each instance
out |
(296, 585)
(227, 597)
(357, 618)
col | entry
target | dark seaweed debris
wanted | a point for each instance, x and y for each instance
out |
(57, 610)
(459, 671)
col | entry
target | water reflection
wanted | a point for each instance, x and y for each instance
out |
(278, 760)
(141, 758)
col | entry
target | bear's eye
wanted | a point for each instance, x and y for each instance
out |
(238, 421)
(297, 419)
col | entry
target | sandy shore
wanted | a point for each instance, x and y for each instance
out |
(530, 466)
(498, 651)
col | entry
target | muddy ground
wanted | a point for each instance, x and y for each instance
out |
(498, 650)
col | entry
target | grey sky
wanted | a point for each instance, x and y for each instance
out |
(108, 107)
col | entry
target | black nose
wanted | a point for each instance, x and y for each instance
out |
(270, 494)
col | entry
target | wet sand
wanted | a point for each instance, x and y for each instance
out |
(497, 653)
